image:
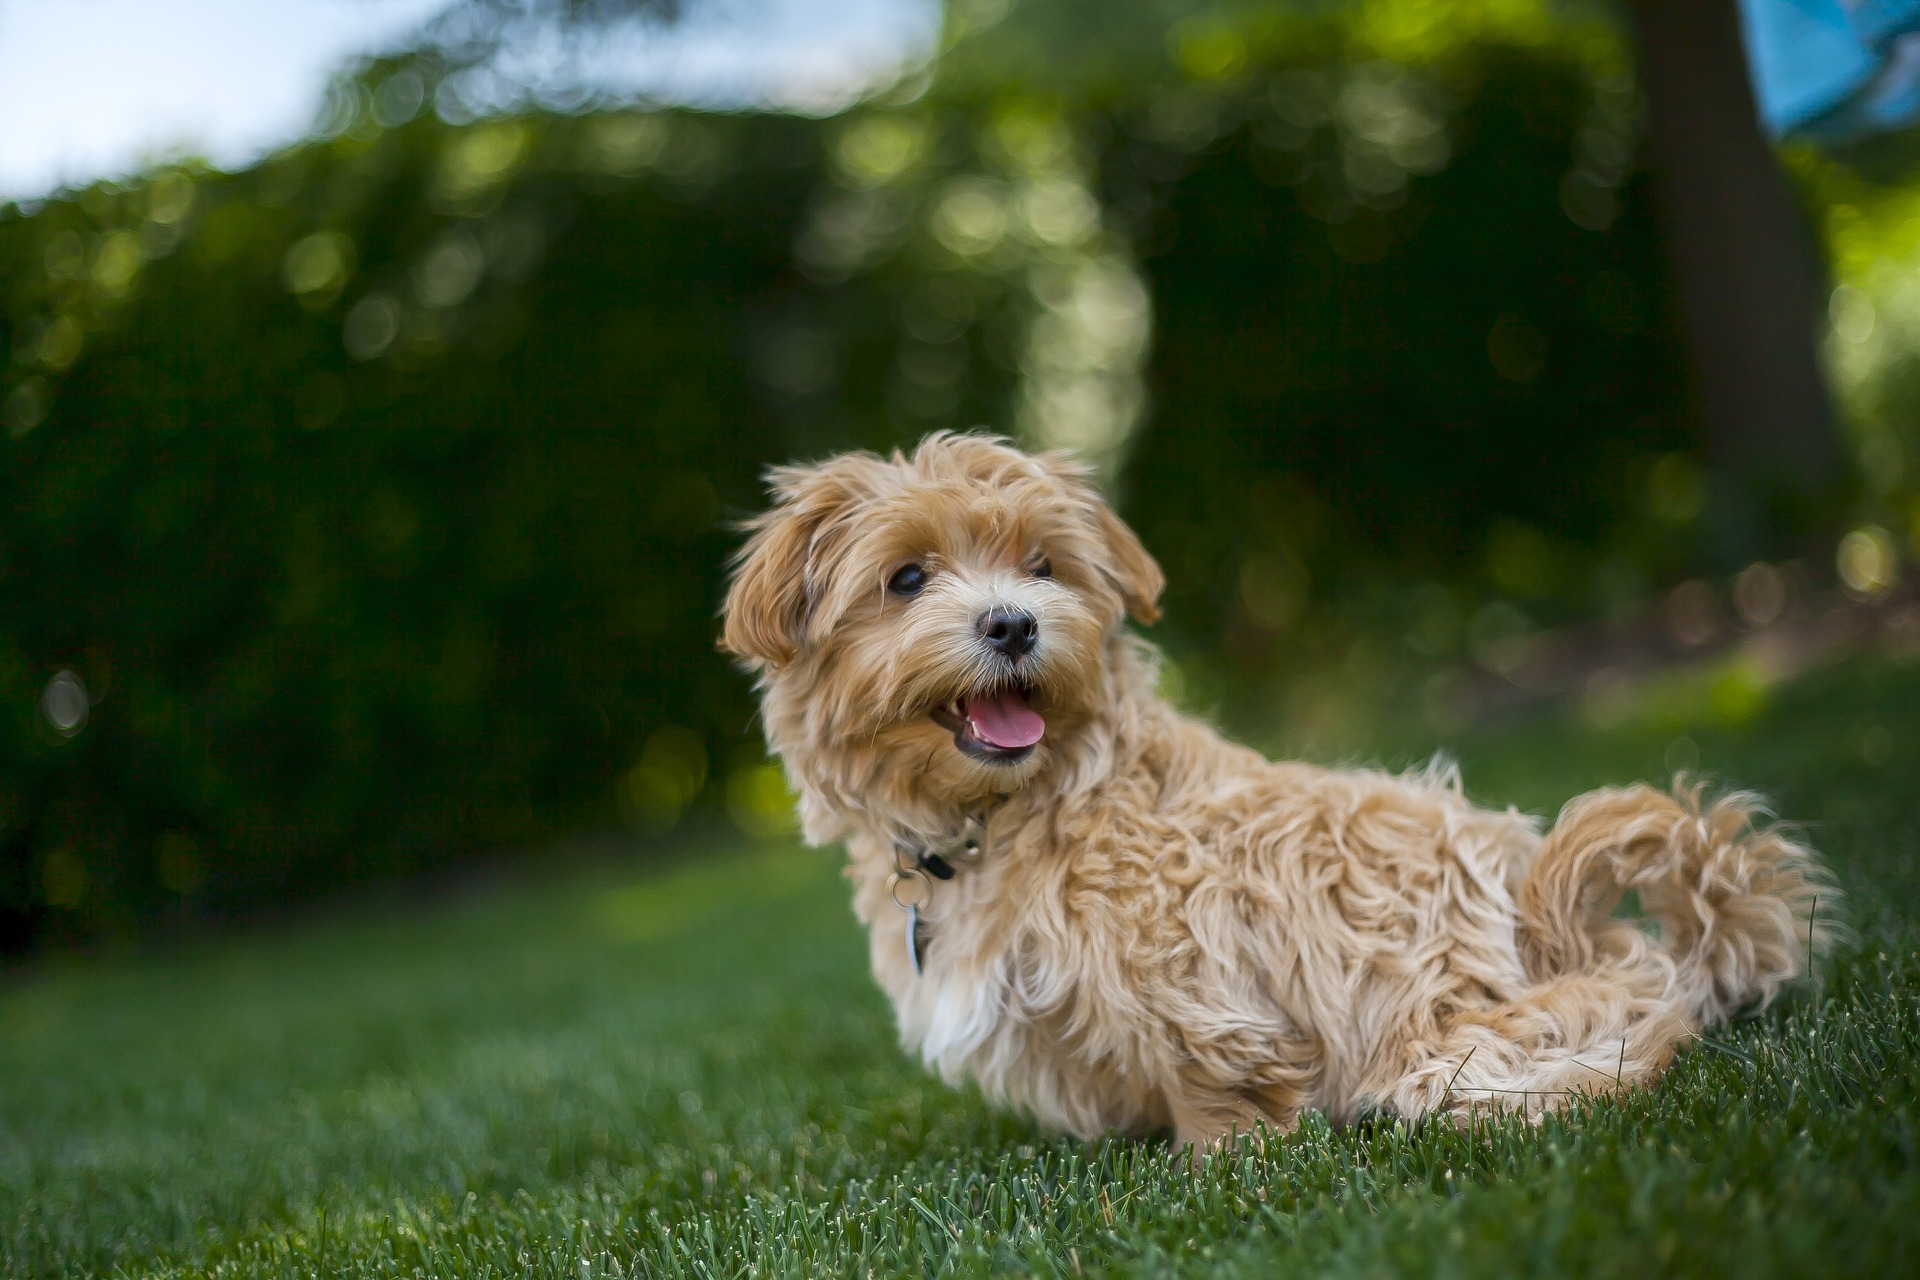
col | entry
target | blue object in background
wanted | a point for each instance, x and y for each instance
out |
(1834, 69)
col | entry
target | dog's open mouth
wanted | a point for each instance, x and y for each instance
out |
(997, 726)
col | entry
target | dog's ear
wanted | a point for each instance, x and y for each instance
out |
(1132, 569)
(766, 608)
(1134, 573)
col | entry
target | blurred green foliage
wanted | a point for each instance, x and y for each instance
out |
(1870, 210)
(369, 508)
(1401, 338)
(374, 501)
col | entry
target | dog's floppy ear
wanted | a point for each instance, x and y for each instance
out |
(1133, 570)
(766, 608)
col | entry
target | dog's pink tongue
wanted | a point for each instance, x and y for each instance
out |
(1005, 720)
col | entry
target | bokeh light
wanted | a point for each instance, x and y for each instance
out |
(65, 704)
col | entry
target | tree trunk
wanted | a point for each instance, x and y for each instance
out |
(1750, 280)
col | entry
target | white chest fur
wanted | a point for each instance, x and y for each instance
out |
(991, 1005)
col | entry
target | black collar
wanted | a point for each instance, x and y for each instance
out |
(936, 866)
(939, 863)
(914, 863)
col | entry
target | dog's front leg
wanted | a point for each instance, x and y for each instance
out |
(1207, 1116)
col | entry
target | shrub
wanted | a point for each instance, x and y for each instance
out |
(369, 507)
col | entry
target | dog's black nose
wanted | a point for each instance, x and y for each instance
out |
(1011, 631)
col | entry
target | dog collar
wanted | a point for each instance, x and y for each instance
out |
(922, 866)
(938, 867)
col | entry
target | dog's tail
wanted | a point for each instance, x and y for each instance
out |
(1741, 908)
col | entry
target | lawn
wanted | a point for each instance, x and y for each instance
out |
(681, 1068)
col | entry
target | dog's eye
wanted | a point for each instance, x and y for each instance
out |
(1044, 569)
(908, 580)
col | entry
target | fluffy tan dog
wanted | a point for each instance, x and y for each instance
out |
(1121, 921)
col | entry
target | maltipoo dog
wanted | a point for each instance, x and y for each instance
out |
(1109, 916)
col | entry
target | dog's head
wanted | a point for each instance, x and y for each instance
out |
(929, 630)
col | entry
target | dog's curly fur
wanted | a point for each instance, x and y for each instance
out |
(1164, 929)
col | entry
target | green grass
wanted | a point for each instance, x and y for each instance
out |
(685, 1070)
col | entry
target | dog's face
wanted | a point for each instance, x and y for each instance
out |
(930, 630)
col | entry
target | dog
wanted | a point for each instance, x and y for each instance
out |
(1110, 917)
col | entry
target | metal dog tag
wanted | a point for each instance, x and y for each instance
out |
(916, 940)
